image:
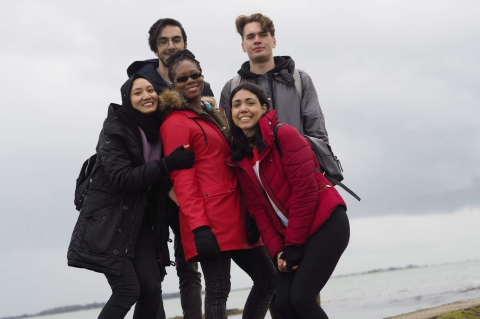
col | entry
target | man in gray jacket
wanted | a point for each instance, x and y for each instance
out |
(291, 91)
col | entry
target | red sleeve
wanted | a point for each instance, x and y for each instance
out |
(298, 163)
(272, 238)
(174, 133)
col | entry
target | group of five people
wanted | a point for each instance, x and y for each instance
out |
(169, 156)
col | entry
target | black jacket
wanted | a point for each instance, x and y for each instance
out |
(148, 68)
(124, 190)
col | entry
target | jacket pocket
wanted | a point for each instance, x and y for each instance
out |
(100, 228)
(217, 190)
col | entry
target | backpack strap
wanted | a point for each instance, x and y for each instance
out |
(235, 82)
(298, 83)
(275, 133)
(331, 179)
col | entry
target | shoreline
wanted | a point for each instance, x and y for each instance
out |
(434, 312)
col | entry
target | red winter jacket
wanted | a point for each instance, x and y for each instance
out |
(303, 194)
(208, 193)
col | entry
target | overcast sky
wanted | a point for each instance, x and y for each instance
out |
(398, 82)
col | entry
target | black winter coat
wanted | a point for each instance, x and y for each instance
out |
(148, 68)
(123, 190)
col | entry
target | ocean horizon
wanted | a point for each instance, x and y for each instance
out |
(377, 293)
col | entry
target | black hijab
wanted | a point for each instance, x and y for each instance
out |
(127, 114)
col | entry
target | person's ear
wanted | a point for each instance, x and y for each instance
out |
(274, 42)
(264, 108)
(186, 44)
(243, 47)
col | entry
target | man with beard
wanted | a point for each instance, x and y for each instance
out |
(167, 36)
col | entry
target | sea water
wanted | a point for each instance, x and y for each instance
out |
(367, 296)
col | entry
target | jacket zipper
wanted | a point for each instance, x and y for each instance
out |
(133, 216)
(259, 188)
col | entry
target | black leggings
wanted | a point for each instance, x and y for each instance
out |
(257, 264)
(296, 291)
(139, 282)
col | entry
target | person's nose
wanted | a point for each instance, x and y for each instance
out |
(170, 45)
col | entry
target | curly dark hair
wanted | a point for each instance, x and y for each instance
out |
(239, 143)
(178, 57)
(157, 28)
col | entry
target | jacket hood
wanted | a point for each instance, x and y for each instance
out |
(138, 65)
(281, 63)
(170, 100)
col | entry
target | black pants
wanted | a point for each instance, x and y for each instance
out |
(139, 282)
(257, 264)
(190, 282)
(296, 291)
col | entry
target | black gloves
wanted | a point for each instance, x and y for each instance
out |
(293, 255)
(206, 243)
(180, 158)
(253, 234)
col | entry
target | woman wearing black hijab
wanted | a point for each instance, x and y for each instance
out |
(120, 230)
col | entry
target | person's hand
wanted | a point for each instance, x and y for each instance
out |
(180, 158)
(206, 243)
(282, 263)
(173, 196)
(293, 255)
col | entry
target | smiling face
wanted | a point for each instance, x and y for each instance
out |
(258, 43)
(143, 96)
(192, 88)
(247, 111)
(169, 41)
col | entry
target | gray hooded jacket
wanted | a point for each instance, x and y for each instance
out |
(304, 113)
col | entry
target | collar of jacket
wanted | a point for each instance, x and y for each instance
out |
(284, 63)
(112, 126)
(171, 101)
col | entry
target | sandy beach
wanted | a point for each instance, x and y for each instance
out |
(433, 312)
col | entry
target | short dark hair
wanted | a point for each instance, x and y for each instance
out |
(239, 144)
(157, 28)
(176, 58)
(265, 22)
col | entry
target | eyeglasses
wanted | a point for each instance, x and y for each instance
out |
(164, 42)
(182, 79)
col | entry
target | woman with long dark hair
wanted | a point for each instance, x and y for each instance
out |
(212, 217)
(120, 231)
(301, 216)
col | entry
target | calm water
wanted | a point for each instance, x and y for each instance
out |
(369, 296)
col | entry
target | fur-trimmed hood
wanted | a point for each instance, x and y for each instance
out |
(170, 101)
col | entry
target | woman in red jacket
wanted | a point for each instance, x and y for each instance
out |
(301, 217)
(212, 217)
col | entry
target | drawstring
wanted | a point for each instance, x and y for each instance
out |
(204, 134)
(272, 91)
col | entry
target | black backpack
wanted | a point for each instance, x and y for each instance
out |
(330, 165)
(83, 181)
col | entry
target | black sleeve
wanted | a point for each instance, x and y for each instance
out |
(117, 163)
(207, 91)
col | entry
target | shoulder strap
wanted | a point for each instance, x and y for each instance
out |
(275, 133)
(235, 82)
(298, 83)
